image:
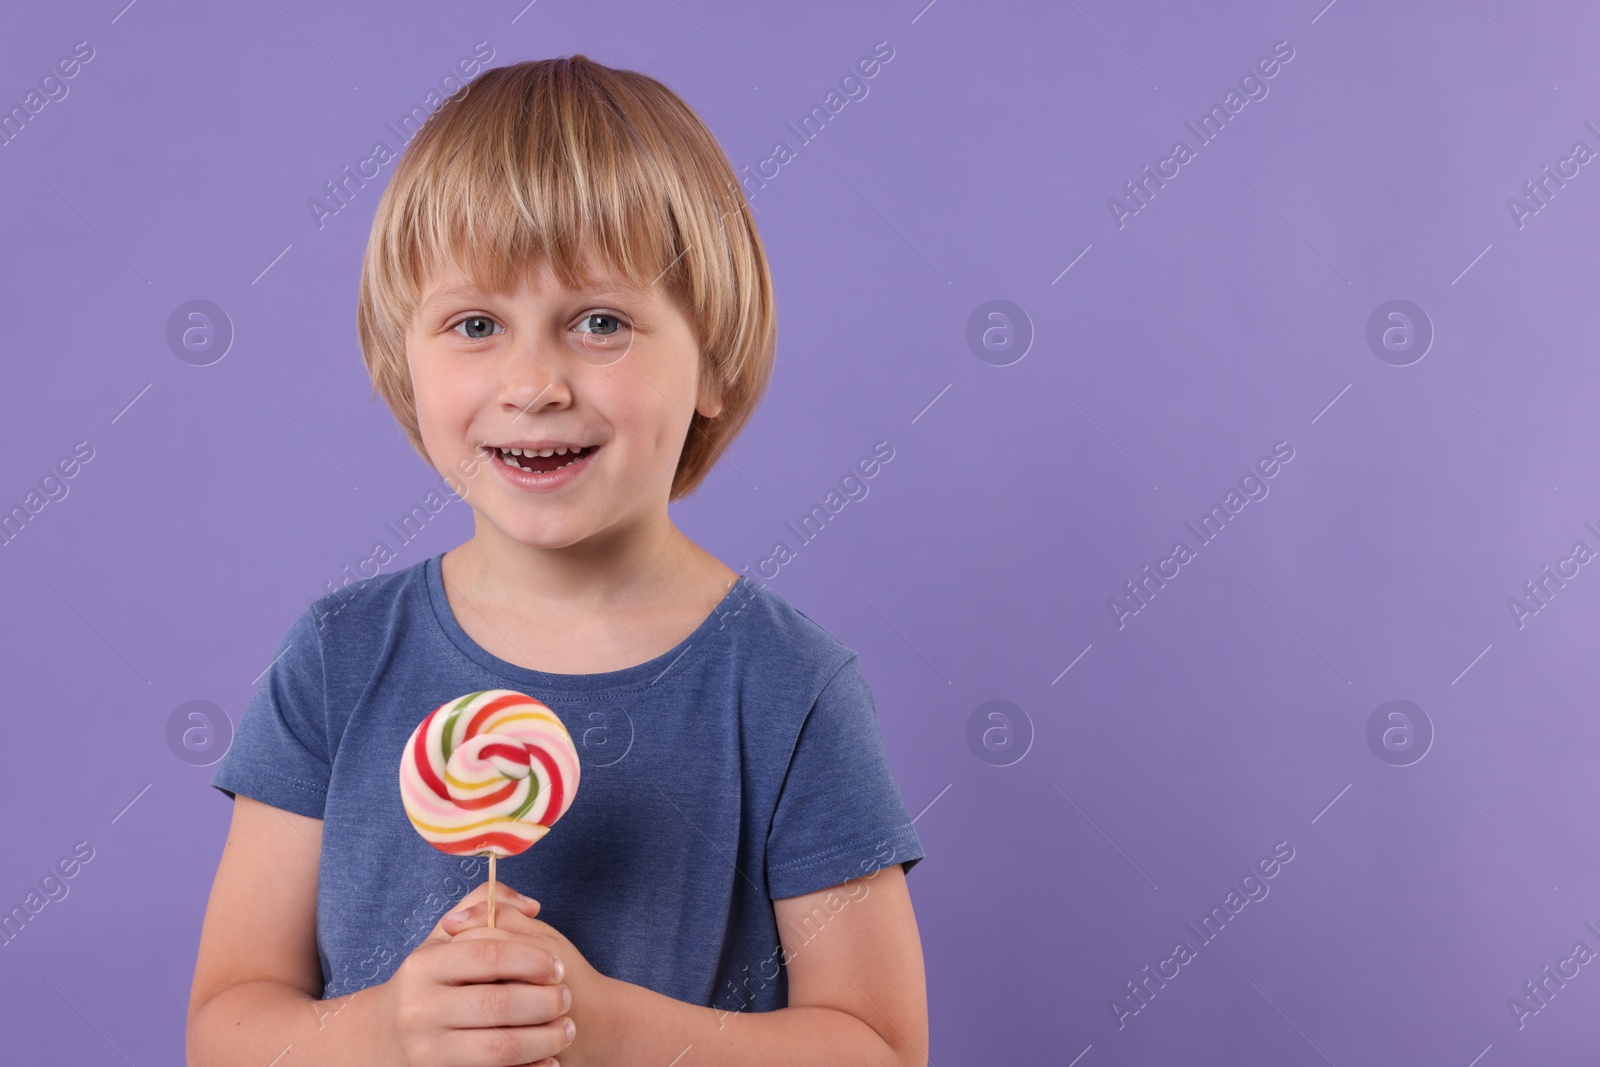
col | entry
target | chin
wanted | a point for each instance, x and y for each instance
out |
(542, 535)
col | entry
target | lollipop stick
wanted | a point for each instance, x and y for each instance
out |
(491, 890)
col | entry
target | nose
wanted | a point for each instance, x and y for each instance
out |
(533, 378)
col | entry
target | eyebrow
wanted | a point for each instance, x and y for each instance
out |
(467, 292)
(444, 296)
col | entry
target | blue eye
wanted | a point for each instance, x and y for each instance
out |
(475, 320)
(593, 315)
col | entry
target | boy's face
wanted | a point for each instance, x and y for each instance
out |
(613, 371)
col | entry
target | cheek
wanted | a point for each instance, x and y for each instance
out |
(667, 403)
(641, 406)
(444, 395)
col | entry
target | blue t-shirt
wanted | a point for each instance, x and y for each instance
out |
(742, 766)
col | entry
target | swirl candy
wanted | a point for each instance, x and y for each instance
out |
(488, 774)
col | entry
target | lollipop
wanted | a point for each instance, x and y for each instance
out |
(488, 774)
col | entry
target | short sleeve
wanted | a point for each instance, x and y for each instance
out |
(839, 814)
(279, 753)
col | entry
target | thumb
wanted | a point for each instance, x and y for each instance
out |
(472, 909)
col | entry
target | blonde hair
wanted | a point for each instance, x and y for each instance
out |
(548, 158)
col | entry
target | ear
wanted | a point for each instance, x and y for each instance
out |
(709, 402)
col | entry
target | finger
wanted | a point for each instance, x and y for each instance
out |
(509, 918)
(554, 970)
(504, 1004)
(483, 955)
(504, 897)
(505, 1046)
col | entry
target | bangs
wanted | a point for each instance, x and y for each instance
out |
(582, 188)
(492, 219)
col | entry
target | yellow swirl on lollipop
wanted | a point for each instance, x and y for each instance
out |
(488, 774)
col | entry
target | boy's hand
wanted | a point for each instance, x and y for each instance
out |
(492, 999)
(467, 922)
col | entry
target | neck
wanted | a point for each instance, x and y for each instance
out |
(618, 568)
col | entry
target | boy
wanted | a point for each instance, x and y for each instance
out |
(567, 308)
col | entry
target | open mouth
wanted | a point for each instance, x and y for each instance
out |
(544, 461)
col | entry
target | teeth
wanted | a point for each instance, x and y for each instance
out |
(529, 453)
(562, 451)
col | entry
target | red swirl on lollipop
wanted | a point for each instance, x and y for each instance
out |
(488, 774)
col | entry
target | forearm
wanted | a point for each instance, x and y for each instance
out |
(254, 1023)
(640, 1025)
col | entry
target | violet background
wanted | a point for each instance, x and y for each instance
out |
(1226, 316)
